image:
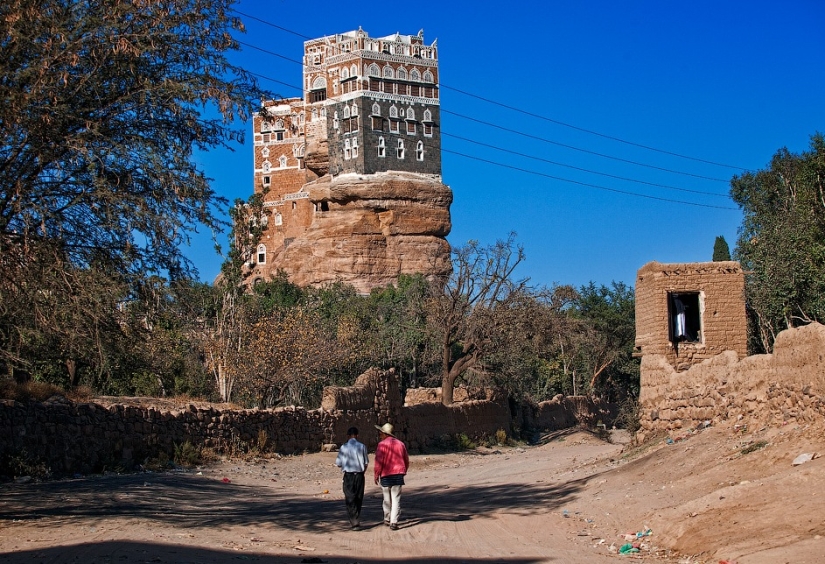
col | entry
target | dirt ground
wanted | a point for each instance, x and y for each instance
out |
(720, 494)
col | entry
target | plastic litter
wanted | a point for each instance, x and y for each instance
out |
(804, 457)
(628, 549)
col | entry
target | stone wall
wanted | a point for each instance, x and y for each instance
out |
(769, 389)
(73, 438)
(719, 288)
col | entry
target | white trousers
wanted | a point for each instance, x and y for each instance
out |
(392, 503)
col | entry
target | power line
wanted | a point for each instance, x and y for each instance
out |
(509, 107)
(590, 131)
(268, 52)
(596, 186)
(276, 81)
(502, 149)
(574, 148)
(270, 24)
(512, 167)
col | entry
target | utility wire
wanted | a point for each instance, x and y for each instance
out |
(266, 51)
(512, 108)
(270, 24)
(596, 186)
(590, 131)
(512, 167)
(566, 146)
(502, 149)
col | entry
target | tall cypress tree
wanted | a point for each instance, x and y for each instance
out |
(721, 251)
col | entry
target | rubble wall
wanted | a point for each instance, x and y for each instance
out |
(768, 389)
(70, 438)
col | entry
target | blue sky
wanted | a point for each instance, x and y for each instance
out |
(546, 106)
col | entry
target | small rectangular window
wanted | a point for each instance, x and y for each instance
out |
(685, 317)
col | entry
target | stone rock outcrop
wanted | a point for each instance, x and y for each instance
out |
(317, 155)
(370, 229)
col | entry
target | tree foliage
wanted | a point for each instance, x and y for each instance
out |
(104, 104)
(721, 251)
(781, 242)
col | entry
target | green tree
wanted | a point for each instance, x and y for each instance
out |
(721, 251)
(604, 349)
(104, 104)
(782, 242)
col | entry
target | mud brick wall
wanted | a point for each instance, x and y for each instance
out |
(74, 438)
(759, 390)
(724, 325)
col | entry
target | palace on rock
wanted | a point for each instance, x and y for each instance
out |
(350, 174)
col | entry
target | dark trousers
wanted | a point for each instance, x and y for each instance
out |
(354, 495)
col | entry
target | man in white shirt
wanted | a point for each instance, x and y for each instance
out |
(353, 460)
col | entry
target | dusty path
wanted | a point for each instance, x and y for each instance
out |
(719, 494)
(508, 505)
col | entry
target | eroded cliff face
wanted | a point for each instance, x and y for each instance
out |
(369, 229)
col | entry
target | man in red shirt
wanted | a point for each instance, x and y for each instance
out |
(391, 463)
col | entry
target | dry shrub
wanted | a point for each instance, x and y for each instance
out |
(29, 391)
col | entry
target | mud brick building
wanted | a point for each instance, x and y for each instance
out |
(689, 312)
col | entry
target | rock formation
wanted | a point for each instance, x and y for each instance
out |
(372, 229)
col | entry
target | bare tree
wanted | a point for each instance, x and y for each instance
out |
(473, 308)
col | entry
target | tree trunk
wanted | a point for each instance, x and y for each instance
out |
(447, 386)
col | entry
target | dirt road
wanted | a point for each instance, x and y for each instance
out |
(571, 500)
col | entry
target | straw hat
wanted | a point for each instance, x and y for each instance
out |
(386, 429)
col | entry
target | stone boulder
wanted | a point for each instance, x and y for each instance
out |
(370, 229)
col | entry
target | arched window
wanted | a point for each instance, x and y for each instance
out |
(319, 83)
(266, 166)
(393, 112)
(388, 72)
(264, 219)
(282, 161)
(344, 73)
(346, 112)
(354, 110)
(279, 124)
(374, 70)
(410, 114)
(428, 76)
(376, 109)
(400, 149)
(261, 254)
(347, 150)
(402, 74)
(266, 127)
(278, 219)
(382, 148)
(265, 152)
(428, 115)
(353, 71)
(415, 75)
(419, 151)
(355, 148)
(335, 120)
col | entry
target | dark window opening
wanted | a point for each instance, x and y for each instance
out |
(324, 206)
(685, 317)
(317, 96)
